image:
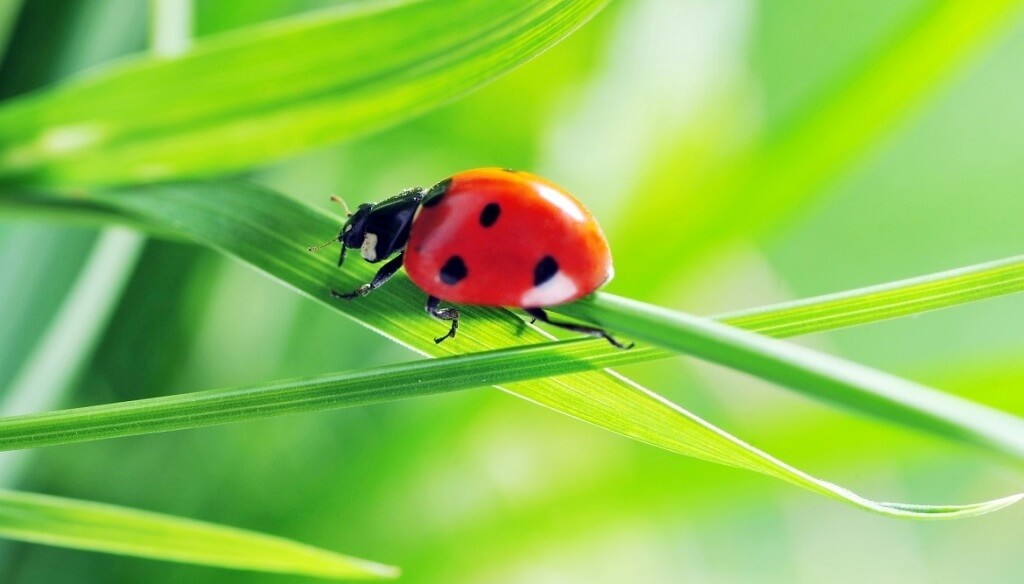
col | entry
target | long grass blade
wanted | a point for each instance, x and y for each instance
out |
(810, 372)
(885, 301)
(271, 232)
(689, 434)
(248, 97)
(106, 528)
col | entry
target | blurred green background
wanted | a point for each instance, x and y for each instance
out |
(639, 113)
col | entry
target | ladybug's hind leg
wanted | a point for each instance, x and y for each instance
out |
(541, 315)
(452, 314)
(383, 275)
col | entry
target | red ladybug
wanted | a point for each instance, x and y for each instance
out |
(490, 236)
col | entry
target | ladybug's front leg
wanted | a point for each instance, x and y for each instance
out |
(452, 314)
(383, 275)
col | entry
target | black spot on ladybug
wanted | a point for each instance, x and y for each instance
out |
(436, 193)
(545, 269)
(453, 270)
(490, 214)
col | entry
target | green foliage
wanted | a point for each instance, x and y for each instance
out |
(252, 96)
(248, 97)
(106, 528)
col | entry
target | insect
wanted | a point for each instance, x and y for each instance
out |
(492, 237)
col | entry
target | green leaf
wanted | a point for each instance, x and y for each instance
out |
(857, 387)
(892, 300)
(271, 232)
(640, 414)
(248, 97)
(106, 528)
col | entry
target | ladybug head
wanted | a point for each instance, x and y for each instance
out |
(354, 230)
(378, 230)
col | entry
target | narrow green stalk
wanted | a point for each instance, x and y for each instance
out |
(382, 384)
(106, 528)
(8, 16)
(811, 372)
(876, 303)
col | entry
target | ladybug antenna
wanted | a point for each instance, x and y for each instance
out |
(322, 245)
(344, 205)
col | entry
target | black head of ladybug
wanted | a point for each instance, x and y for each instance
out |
(380, 229)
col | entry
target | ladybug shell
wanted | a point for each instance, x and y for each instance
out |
(504, 238)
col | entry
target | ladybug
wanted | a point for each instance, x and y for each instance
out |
(490, 236)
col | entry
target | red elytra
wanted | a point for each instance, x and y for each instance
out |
(516, 240)
(490, 236)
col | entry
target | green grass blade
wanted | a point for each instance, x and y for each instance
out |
(848, 384)
(642, 415)
(892, 300)
(118, 530)
(348, 389)
(8, 15)
(270, 232)
(820, 313)
(261, 93)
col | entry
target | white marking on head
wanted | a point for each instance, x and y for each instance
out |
(555, 291)
(369, 248)
(562, 201)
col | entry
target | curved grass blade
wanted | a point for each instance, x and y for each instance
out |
(810, 315)
(689, 434)
(810, 372)
(270, 232)
(105, 528)
(251, 96)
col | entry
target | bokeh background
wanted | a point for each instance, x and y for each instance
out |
(640, 114)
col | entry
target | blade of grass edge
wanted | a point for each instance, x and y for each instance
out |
(805, 316)
(57, 521)
(816, 374)
(254, 95)
(429, 377)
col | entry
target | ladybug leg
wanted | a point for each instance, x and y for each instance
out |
(541, 315)
(383, 275)
(452, 314)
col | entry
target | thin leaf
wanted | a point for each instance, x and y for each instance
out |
(270, 232)
(322, 392)
(106, 528)
(8, 15)
(422, 378)
(892, 300)
(848, 384)
(255, 95)
(811, 315)
(688, 435)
